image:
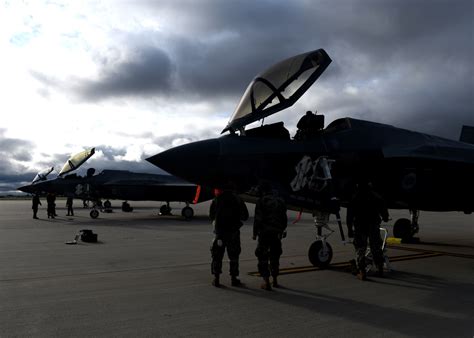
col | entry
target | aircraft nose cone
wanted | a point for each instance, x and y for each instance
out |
(26, 188)
(193, 162)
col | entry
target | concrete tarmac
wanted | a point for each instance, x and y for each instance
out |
(149, 275)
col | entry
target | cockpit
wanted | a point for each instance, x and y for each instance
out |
(278, 88)
(75, 161)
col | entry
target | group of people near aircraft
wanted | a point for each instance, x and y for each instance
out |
(227, 213)
(365, 212)
(51, 205)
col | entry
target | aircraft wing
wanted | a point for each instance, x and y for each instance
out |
(443, 150)
(138, 183)
(278, 88)
(75, 161)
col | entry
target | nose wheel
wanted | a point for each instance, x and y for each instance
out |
(405, 228)
(94, 213)
(320, 253)
(187, 212)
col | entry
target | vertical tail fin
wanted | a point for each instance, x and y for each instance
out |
(467, 134)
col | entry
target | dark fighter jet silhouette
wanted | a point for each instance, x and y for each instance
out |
(117, 184)
(320, 169)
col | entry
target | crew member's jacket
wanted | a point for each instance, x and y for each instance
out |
(228, 211)
(270, 215)
(366, 208)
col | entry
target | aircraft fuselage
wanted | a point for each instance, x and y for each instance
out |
(411, 170)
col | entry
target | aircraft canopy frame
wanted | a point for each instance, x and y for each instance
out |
(278, 88)
(75, 161)
(42, 175)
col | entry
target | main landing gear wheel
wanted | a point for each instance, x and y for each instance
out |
(403, 229)
(94, 213)
(320, 254)
(165, 210)
(187, 213)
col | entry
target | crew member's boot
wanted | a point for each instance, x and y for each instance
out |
(380, 270)
(215, 281)
(275, 282)
(266, 284)
(362, 275)
(235, 281)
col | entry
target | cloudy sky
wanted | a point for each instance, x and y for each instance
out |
(133, 78)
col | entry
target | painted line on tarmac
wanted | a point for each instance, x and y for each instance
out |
(446, 253)
(342, 265)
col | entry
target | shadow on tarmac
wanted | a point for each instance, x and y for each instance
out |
(403, 321)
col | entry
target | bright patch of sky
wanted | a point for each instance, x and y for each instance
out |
(68, 40)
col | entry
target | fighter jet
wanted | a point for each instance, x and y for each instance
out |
(117, 184)
(319, 171)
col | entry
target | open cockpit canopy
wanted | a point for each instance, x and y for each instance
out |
(42, 175)
(75, 161)
(278, 88)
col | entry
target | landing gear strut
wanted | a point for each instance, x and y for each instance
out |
(96, 206)
(165, 209)
(320, 252)
(405, 228)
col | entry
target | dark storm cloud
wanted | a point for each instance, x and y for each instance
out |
(149, 72)
(14, 149)
(12, 153)
(410, 61)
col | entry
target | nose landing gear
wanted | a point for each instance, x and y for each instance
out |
(320, 252)
(405, 228)
(187, 212)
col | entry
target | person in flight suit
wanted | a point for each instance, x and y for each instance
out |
(270, 224)
(227, 212)
(51, 209)
(364, 214)
(70, 210)
(35, 203)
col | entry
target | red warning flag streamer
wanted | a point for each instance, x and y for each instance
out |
(298, 217)
(198, 192)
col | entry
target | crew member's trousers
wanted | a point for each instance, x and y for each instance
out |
(231, 242)
(362, 233)
(268, 253)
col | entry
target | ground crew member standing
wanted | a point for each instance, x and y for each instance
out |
(364, 214)
(269, 226)
(35, 203)
(227, 212)
(70, 210)
(50, 199)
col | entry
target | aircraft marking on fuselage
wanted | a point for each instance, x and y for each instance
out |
(312, 174)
